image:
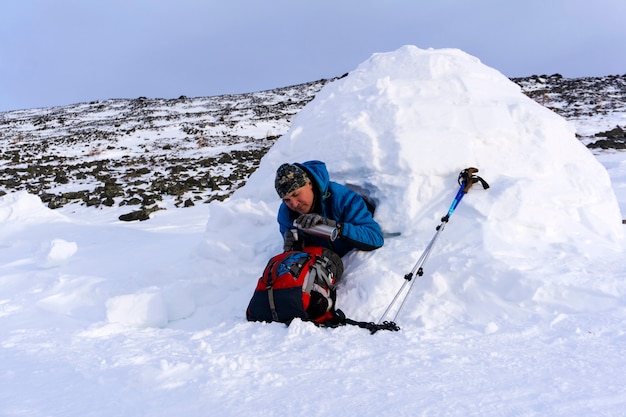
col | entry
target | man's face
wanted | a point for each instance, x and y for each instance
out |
(301, 199)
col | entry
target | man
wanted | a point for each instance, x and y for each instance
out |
(310, 198)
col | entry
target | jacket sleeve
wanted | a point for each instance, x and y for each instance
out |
(284, 219)
(359, 229)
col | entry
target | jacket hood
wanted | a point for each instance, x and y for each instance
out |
(318, 173)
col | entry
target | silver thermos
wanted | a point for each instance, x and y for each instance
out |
(321, 230)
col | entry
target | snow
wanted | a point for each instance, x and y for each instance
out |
(520, 310)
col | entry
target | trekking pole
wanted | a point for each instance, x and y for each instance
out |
(466, 179)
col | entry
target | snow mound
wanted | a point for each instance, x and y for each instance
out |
(24, 208)
(404, 123)
(401, 127)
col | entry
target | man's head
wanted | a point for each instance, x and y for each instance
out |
(294, 187)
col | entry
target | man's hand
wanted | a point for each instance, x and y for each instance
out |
(291, 242)
(307, 221)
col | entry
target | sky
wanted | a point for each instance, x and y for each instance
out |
(71, 51)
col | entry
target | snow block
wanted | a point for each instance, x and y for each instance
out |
(147, 309)
(60, 252)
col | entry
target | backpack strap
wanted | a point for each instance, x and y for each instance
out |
(270, 292)
(323, 271)
(270, 295)
(340, 319)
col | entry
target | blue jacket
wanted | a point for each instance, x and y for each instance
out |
(337, 202)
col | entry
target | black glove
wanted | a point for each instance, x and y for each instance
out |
(306, 221)
(290, 242)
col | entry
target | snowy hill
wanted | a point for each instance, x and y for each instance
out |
(144, 154)
(520, 310)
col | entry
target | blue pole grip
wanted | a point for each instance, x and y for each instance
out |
(455, 202)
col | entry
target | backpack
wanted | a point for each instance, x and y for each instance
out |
(297, 284)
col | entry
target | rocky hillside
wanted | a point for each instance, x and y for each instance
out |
(151, 154)
(591, 104)
(144, 153)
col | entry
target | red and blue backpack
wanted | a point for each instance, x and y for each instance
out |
(297, 284)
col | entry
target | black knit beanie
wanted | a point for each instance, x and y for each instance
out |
(290, 177)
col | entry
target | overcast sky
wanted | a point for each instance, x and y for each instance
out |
(68, 51)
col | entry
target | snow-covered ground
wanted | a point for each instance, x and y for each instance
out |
(520, 311)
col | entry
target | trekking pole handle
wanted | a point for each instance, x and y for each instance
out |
(468, 178)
